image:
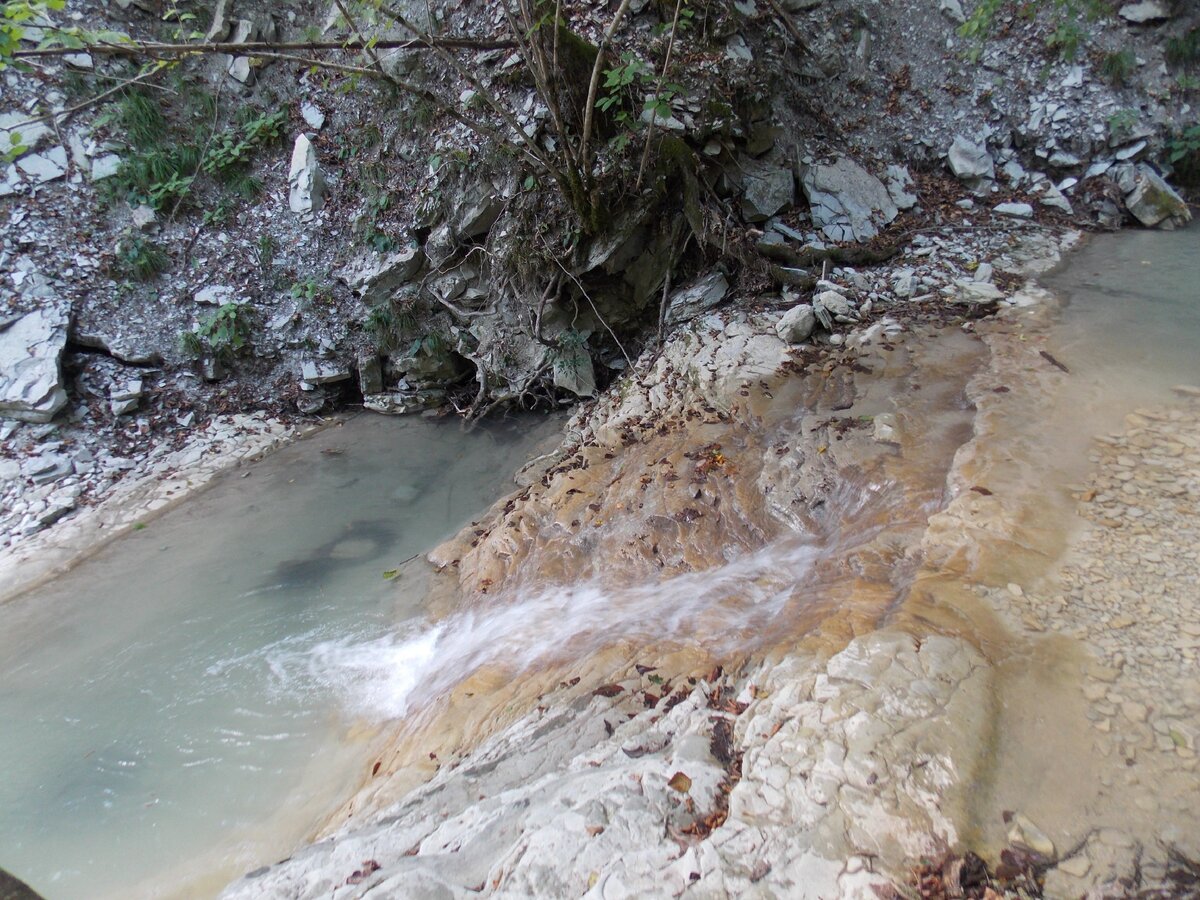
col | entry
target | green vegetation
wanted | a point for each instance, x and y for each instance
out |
(1116, 67)
(1121, 123)
(1065, 35)
(225, 333)
(140, 258)
(1184, 49)
(164, 160)
(388, 322)
(309, 291)
(1183, 152)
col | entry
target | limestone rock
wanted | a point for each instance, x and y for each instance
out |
(1154, 203)
(215, 295)
(848, 203)
(399, 403)
(105, 166)
(970, 161)
(17, 130)
(797, 324)
(952, 10)
(374, 277)
(767, 189)
(1144, 12)
(697, 298)
(831, 306)
(574, 372)
(323, 372)
(478, 214)
(31, 350)
(43, 167)
(899, 182)
(1016, 210)
(312, 115)
(306, 187)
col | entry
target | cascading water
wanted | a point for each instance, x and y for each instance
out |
(147, 746)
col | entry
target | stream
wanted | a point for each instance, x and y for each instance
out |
(172, 712)
(192, 701)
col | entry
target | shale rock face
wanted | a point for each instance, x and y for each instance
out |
(30, 365)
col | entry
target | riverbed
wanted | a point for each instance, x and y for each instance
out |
(178, 708)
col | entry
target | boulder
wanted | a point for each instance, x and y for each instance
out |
(1145, 12)
(574, 372)
(766, 189)
(376, 277)
(479, 215)
(1154, 203)
(970, 161)
(899, 181)
(215, 295)
(831, 306)
(848, 203)
(306, 187)
(797, 324)
(696, 299)
(952, 10)
(316, 371)
(31, 349)
(312, 115)
(119, 346)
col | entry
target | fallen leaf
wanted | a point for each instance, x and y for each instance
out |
(680, 782)
(607, 690)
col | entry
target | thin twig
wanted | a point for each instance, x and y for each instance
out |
(367, 45)
(607, 327)
(662, 77)
(251, 48)
(594, 88)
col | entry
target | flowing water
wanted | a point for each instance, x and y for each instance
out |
(153, 737)
(175, 696)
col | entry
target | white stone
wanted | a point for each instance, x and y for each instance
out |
(1017, 210)
(306, 187)
(797, 324)
(215, 295)
(30, 365)
(1145, 11)
(43, 167)
(312, 115)
(105, 166)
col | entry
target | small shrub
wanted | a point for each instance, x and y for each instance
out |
(227, 331)
(140, 258)
(1184, 49)
(190, 344)
(265, 250)
(1183, 152)
(1116, 67)
(309, 291)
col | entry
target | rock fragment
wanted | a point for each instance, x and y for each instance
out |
(970, 161)
(306, 186)
(1154, 203)
(31, 350)
(847, 202)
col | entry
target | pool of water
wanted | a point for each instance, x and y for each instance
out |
(159, 736)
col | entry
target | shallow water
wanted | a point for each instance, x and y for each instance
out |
(156, 738)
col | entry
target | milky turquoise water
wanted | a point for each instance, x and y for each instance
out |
(155, 725)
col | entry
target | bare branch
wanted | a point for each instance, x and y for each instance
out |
(662, 76)
(594, 89)
(253, 48)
